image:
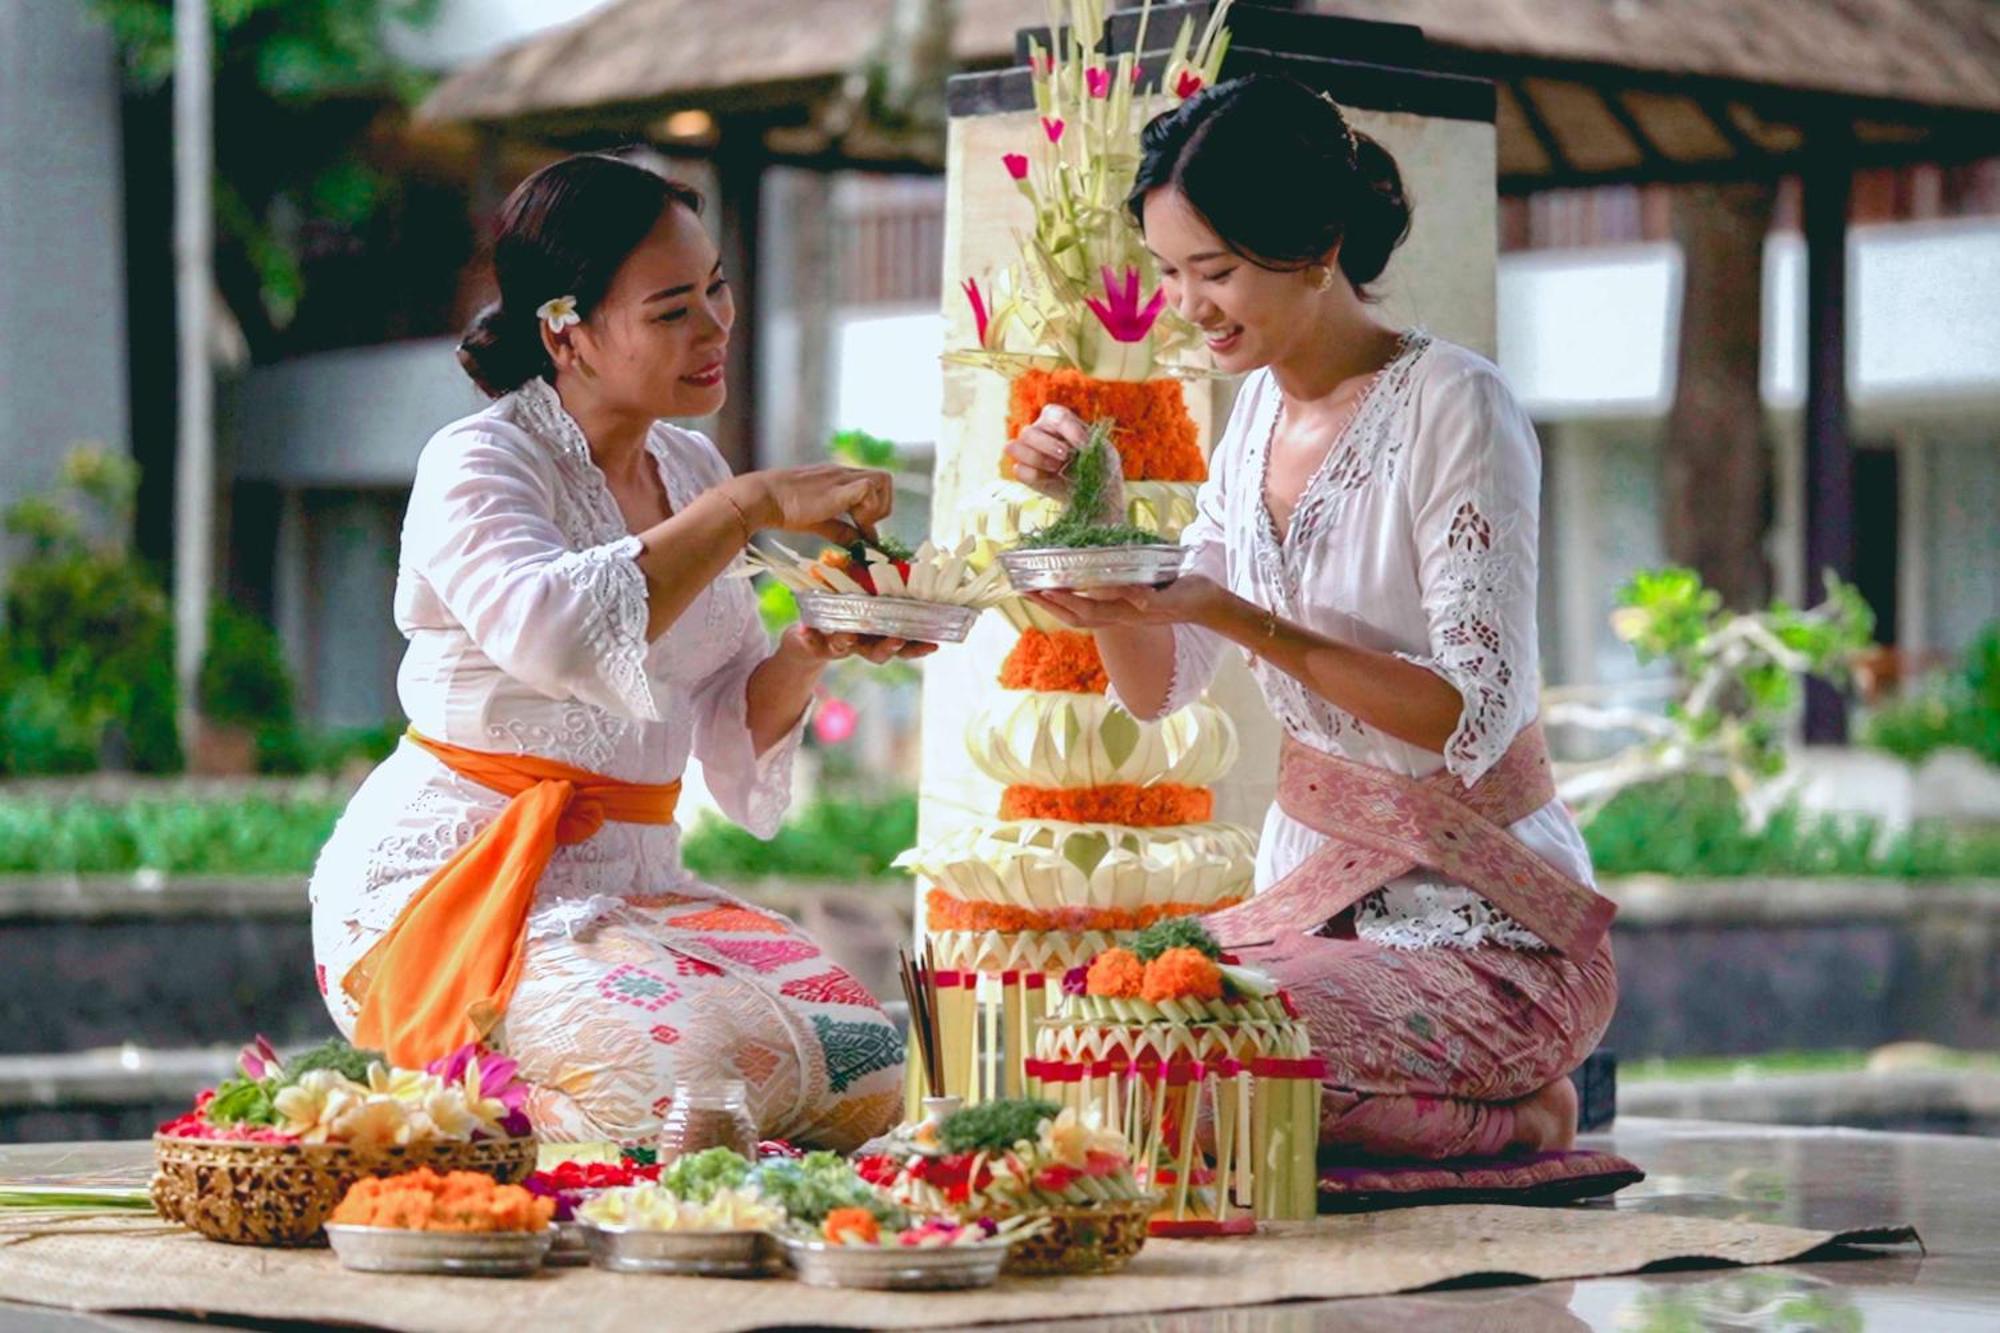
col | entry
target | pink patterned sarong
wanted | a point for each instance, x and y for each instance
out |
(1429, 1050)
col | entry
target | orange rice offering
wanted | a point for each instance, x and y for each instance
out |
(423, 1200)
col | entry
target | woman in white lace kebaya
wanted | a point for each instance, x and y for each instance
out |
(1368, 536)
(575, 635)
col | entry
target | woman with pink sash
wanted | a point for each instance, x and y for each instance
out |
(1368, 537)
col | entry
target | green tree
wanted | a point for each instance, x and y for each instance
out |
(297, 82)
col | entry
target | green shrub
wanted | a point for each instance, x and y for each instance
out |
(1962, 709)
(1694, 827)
(86, 634)
(253, 836)
(843, 840)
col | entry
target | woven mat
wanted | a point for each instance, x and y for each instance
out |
(140, 1264)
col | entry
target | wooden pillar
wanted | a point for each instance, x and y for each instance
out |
(1828, 454)
(739, 188)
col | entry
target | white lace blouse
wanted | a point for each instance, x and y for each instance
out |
(526, 614)
(1416, 536)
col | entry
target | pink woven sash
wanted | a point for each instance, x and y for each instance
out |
(1381, 825)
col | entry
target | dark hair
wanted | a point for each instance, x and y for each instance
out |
(564, 231)
(1278, 173)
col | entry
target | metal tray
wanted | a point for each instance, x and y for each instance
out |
(889, 617)
(465, 1253)
(694, 1253)
(1067, 569)
(571, 1246)
(895, 1267)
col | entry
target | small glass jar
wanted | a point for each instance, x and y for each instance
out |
(709, 1113)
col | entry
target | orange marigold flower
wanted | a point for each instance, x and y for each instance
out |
(1181, 974)
(851, 1226)
(944, 912)
(1062, 661)
(1116, 803)
(1156, 437)
(1116, 973)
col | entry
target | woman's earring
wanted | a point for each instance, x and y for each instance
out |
(1325, 282)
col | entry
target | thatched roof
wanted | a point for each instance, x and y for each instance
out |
(647, 56)
(1943, 53)
(1588, 89)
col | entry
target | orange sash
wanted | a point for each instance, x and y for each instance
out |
(442, 974)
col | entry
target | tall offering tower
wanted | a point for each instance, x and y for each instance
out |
(1055, 825)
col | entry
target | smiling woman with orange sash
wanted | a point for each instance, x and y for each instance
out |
(512, 873)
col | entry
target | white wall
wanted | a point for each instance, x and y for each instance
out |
(1590, 333)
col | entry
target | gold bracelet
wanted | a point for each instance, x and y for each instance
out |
(741, 521)
(1269, 634)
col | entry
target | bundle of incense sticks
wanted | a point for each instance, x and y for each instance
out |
(920, 990)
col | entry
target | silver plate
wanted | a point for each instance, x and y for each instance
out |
(696, 1253)
(1062, 568)
(896, 1268)
(570, 1246)
(467, 1253)
(890, 617)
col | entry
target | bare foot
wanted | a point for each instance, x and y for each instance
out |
(1545, 1120)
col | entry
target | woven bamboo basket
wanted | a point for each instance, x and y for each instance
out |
(1098, 1238)
(281, 1193)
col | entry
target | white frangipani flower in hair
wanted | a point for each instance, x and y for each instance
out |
(558, 312)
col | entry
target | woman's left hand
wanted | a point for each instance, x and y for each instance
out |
(1189, 600)
(834, 647)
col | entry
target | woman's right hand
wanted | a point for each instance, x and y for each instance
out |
(821, 499)
(1041, 454)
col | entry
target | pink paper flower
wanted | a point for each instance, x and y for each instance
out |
(499, 1079)
(981, 318)
(1042, 65)
(1016, 164)
(835, 721)
(1053, 128)
(1097, 80)
(1187, 85)
(1138, 74)
(1120, 312)
(259, 1059)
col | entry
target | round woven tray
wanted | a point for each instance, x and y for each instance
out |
(281, 1193)
(1101, 1238)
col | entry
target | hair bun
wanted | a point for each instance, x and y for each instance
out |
(1379, 216)
(501, 352)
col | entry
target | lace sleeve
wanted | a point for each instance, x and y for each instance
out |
(568, 623)
(753, 789)
(1475, 477)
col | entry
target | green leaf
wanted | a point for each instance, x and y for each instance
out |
(242, 1101)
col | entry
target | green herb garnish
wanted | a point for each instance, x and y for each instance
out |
(1176, 932)
(1083, 522)
(697, 1176)
(884, 545)
(996, 1126)
(336, 1054)
(810, 1188)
